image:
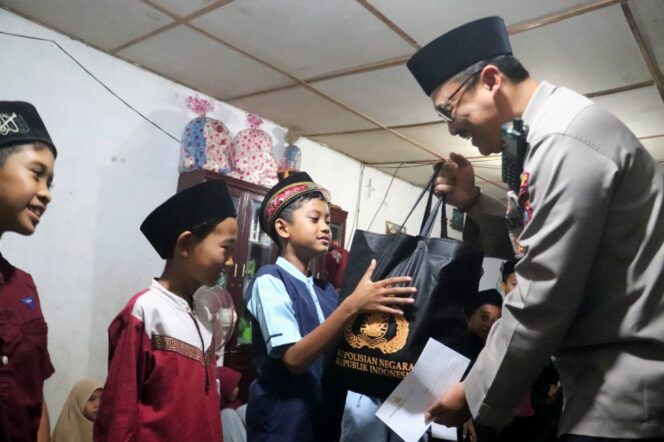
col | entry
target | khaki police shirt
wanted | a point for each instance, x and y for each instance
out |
(591, 283)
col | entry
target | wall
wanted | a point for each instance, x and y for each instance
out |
(492, 276)
(88, 256)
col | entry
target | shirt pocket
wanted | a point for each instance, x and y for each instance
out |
(10, 337)
(35, 332)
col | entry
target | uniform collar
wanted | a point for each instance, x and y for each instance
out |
(292, 270)
(541, 95)
(178, 301)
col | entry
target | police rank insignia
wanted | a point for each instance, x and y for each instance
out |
(519, 213)
(381, 331)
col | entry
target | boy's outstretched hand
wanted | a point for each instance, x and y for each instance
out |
(380, 296)
(451, 409)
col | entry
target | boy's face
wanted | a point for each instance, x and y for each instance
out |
(25, 179)
(509, 284)
(310, 229)
(209, 255)
(482, 319)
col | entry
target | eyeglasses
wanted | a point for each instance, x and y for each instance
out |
(445, 110)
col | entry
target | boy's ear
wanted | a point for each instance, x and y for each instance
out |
(184, 244)
(281, 226)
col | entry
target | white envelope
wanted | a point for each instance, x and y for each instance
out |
(437, 369)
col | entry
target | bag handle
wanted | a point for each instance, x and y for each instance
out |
(428, 226)
(427, 209)
(430, 214)
(427, 222)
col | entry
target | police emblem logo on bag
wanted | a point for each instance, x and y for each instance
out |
(381, 331)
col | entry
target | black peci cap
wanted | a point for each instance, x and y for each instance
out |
(507, 269)
(193, 207)
(20, 123)
(490, 296)
(457, 50)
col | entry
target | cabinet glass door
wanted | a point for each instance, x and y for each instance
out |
(259, 253)
(335, 231)
(227, 275)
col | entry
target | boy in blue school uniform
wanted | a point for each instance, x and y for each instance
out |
(27, 158)
(295, 318)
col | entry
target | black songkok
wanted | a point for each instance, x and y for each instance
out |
(191, 208)
(507, 269)
(457, 50)
(20, 123)
(491, 297)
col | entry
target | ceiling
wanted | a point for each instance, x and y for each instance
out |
(335, 70)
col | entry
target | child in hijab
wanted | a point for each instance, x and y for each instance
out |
(233, 422)
(78, 413)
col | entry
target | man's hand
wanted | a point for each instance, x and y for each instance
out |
(468, 431)
(553, 393)
(456, 180)
(451, 409)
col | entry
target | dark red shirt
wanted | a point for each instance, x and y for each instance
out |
(24, 359)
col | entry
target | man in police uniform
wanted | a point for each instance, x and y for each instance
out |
(590, 232)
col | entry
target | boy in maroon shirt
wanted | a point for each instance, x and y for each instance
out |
(27, 157)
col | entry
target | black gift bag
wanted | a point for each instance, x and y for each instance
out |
(377, 350)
